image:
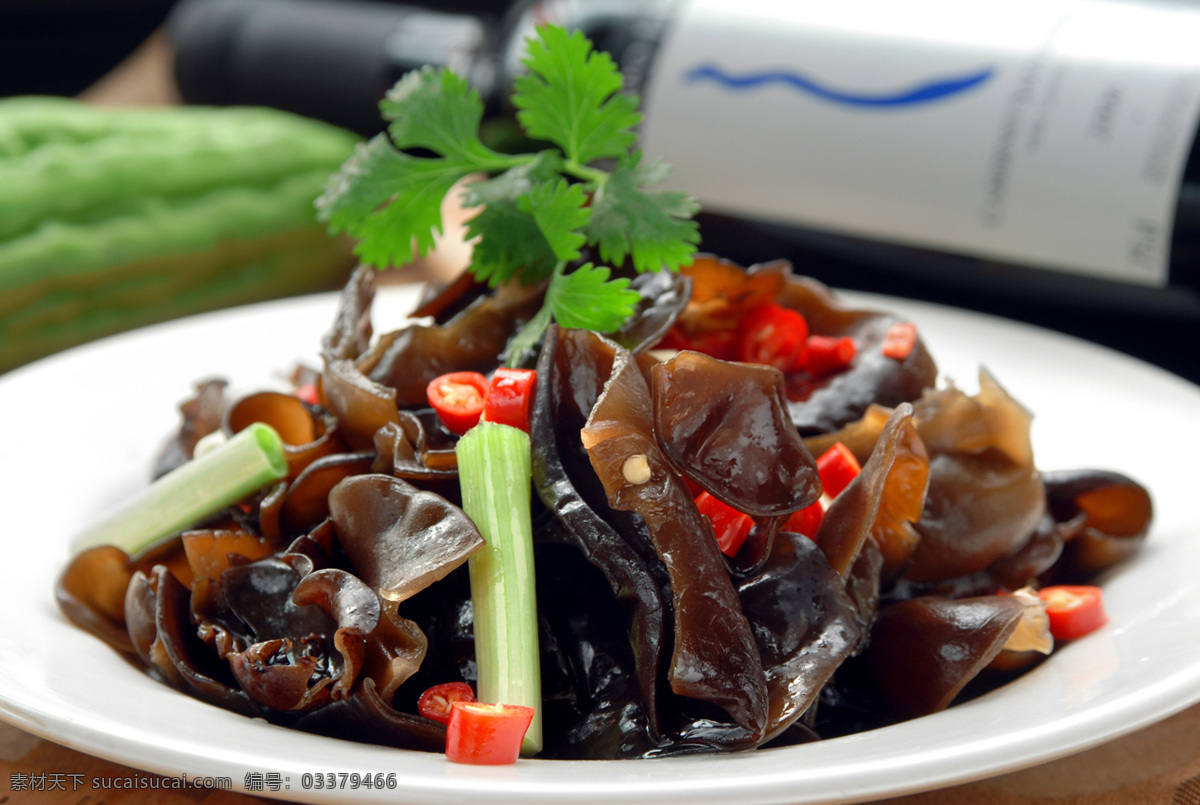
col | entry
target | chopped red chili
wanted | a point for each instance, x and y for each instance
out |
(837, 467)
(486, 734)
(826, 354)
(308, 393)
(773, 335)
(458, 398)
(899, 340)
(509, 395)
(720, 344)
(436, 701)
(730, 526)
(1074, 609)
(673, 339)
(806, 521)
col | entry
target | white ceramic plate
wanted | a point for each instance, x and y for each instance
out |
(80, 431)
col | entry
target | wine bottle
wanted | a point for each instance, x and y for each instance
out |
(330, 60)
(1036, 158)
(1052, 134)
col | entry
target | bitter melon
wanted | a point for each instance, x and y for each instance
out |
(112, 219)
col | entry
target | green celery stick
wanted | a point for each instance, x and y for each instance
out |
(494, 473)
(249, 461)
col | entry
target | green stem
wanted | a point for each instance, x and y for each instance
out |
(586, 172)
(527, 337)
(500, 163)
(531, 331)
(202, 487)
(494, 473)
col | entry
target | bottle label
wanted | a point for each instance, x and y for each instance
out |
(1051, 133)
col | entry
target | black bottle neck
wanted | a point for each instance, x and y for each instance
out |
(332, 61)
(1185, 232)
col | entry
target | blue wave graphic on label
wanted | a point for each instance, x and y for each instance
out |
(935, 89)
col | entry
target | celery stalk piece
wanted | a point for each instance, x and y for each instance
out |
(220, 477)
(494, 473)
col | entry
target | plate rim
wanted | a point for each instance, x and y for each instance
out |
(1162, 699)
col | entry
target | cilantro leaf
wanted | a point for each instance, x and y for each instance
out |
(509, 244)
(656, 228)
(536, 212)
(437, 109)
(588, 299)
(571, 97)
(389, 201)
(561, 212)
(532, 219)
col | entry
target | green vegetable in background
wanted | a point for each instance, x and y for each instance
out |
(116, 218)
(538, 210)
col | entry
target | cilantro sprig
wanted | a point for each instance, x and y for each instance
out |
(537, 211)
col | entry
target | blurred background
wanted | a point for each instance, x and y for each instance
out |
(61, 47)
(126, 52)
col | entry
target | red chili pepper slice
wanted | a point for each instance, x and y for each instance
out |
(826, 354)
(730, 526)
(509, 395)
(1074, 609)
(673, 339)
(308, 393)
(773, 335)
(720, 344)
(436, 701)
(899, 340)
(806, 521)
(458, 398)
(837, 467)
(486, 734)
